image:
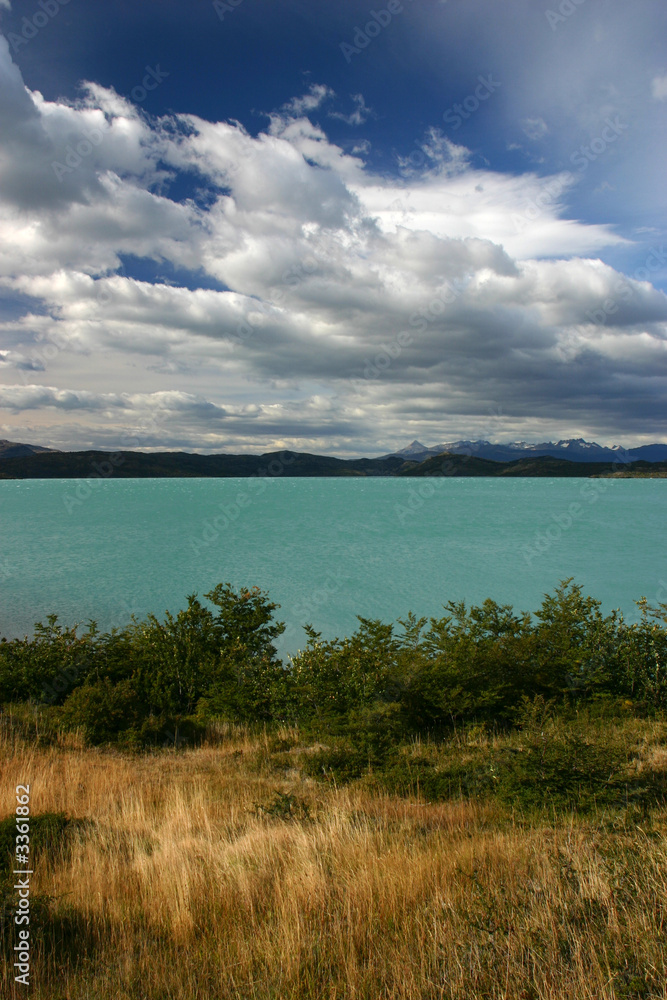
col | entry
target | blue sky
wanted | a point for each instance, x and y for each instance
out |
(332, 227)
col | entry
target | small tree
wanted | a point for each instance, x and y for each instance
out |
(245, 620)
(249, 681)
(175, 659)
(575, 642)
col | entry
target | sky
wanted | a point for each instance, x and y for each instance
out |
(332, 227)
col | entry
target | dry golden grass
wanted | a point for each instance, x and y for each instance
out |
(179, 887)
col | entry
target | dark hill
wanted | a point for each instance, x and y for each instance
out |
(177, 464)
(135, 464)
(12, 449)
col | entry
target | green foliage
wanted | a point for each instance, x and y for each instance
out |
(368, 741)
(340, 762)
(175, 660)
(329, 680)
(249, 681)
(245, 621)
(102, 709)
(159, 681)
(447, 773)
(640, 658)
(152, 681)
(472, 663)
(556, 763)
(46, 667)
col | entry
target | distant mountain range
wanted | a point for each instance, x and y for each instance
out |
(573, 450)
(19, 461)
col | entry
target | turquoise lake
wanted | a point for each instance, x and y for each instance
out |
(325, 549)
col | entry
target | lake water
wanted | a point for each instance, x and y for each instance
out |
(325, 549)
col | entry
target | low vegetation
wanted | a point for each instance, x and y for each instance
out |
(156, 681)
(472, 806)
(227, 871)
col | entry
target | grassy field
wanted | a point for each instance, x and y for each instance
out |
(226, 872)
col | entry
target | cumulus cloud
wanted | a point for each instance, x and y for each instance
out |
(659, 87)
(166, 419)
(32, 397)
(14, 359)
(352, 309)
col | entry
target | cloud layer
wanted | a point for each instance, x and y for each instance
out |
(300, 298)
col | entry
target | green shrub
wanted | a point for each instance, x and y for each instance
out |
(556, 763)
(159, 682)
(340, 762)
(103, 709)
(446, 774)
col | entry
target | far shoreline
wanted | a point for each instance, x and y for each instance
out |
(91, 464)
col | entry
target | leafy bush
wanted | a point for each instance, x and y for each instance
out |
(160, 681)
(341, 761)
(103, 709)
(558, 763)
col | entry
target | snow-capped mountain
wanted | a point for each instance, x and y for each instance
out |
(573, 449)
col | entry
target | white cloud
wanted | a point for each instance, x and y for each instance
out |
(316, 96)
(355, 309)
(360, 114)
(659, 87)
